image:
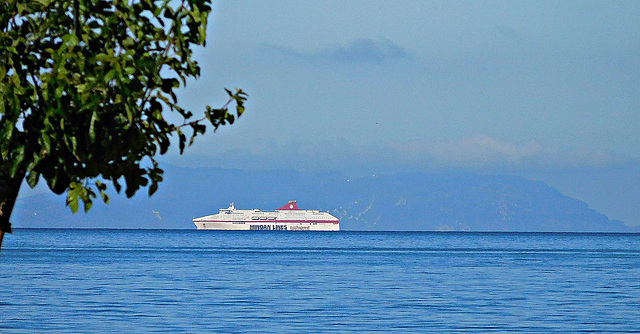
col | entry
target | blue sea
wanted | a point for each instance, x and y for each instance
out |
(188, 281)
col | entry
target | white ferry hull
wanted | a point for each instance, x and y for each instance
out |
(286, 218)
(264, 226)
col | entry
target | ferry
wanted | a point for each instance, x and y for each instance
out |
(287, 218)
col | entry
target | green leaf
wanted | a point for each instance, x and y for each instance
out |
(169, 84)
(88, 203)
(72, 196)
(182, 140)
(59, 91)
(101, 186)
(32, 178)
(72, 202)
(21, 8)
(128, 42)
(46, 142)
(110, 75)
(153, 188)
(16, 162)
(116, 185)
(70, 40)
(105, 197)
(43, 3)
(92, 126)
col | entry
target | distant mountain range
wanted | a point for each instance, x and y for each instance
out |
(400, 202)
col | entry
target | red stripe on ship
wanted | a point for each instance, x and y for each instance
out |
(270, 221)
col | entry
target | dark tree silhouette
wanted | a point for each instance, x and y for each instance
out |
(85, 86)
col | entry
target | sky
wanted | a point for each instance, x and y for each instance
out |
(548, 90)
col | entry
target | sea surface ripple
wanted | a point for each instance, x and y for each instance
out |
(187, 281)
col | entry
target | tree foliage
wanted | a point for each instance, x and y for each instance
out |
(85, 86)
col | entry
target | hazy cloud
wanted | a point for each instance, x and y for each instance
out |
(482, 150)
(510, 33)
(362, 50)
(365, 50)
(479, 152)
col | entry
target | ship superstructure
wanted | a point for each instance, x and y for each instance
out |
(287, 218)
